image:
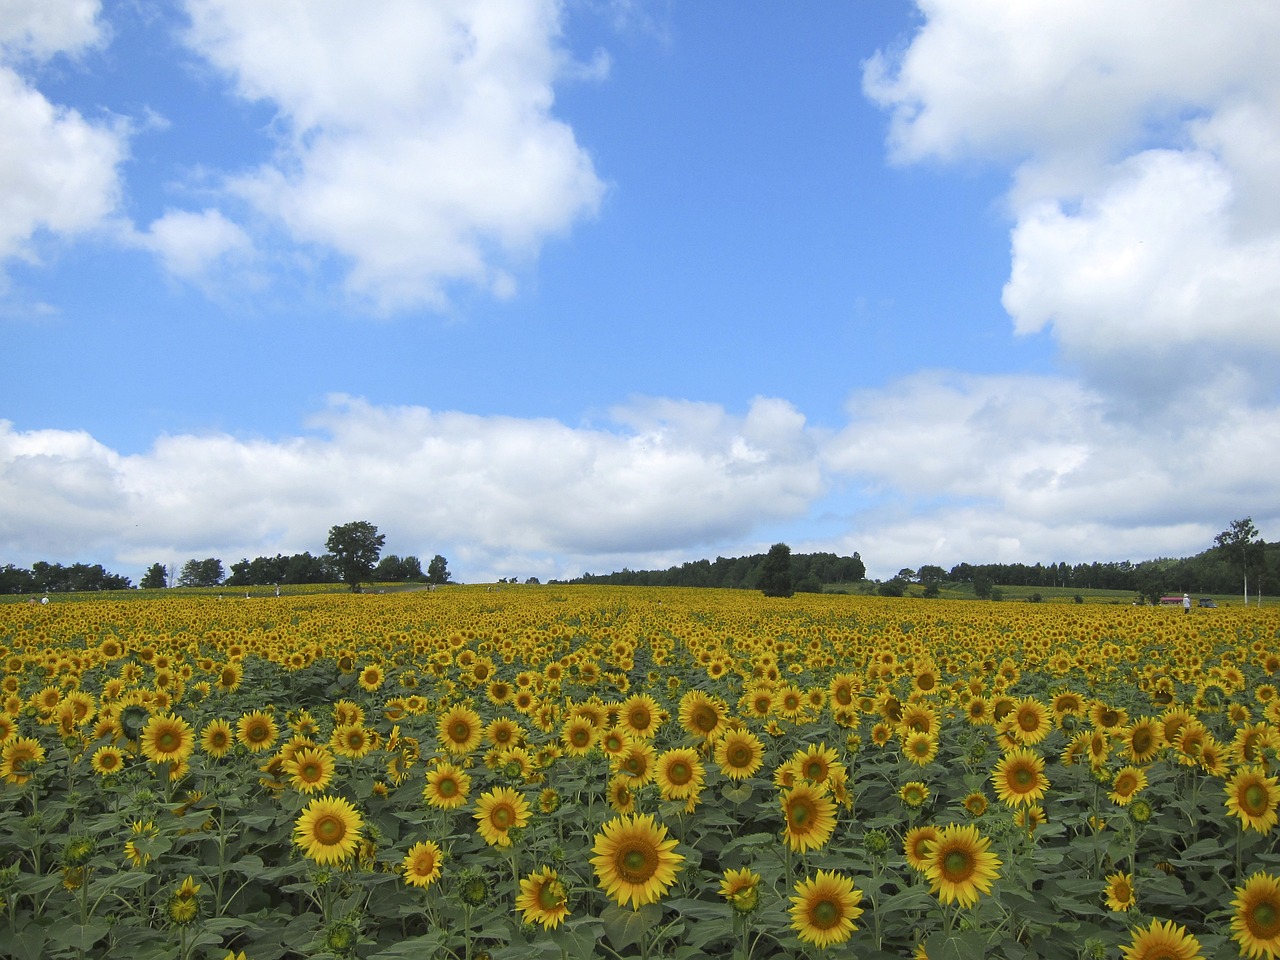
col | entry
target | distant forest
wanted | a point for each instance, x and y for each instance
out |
(809, 573)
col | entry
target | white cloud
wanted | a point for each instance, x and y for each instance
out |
(192, 244)
(1145, 137)
(42, 28)
(536, 492)
(419, 140)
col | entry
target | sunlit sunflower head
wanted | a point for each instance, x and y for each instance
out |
(351, 740)
(1255, 925)
(1030, 721)
(701, 715)
(166, 738)
(371, 678)
(460, 730)
(810, 816)
(960, 866)
(739, 754)
(919, 748)
(1252, 796)
(915, 845)
(107, 761)
(1019, 777)
(447, 786)
(543, 898)
(1128, 783)
(421, 865)
(640, 716)
(975, 804)
(824, 909)
(679, 774)
(913, 793)
(621, 793)
(1162, 940)
(309, 769)
(257, 731)
(1119, 892)
(579, 736)
(816, 762)
(498, 812)
(217, 738)
(742, 889)
(1143, 739)
(328, 830)
(636, 762)
(635, 862)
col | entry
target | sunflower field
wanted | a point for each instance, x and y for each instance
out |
(572, 772)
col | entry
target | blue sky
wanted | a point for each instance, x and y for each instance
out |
(554, 287)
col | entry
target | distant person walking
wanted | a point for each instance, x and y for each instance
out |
(1186, 603)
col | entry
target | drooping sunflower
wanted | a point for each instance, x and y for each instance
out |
(824, 909)
(679, 774)
(19, 757)
(447, 786)
(1119, 891)
(1128, 783)
(960, 866)
(1162, 940)
(166, 738)
(421, 865)
(739, 754)
(1252, 796)
(635, 862)
(498, 812)
(460, 730)
(1019, 777)
(310, 769)
(328, 830)
(742, 889)
(1255, 925)
(257, 731)
(701, 715)
(810, 816)
(640, 716)
(543, 899)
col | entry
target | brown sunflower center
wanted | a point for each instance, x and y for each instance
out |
(1255, 800)
(581, 737)
(704, 718)
(957, 865)
(800, 813)
(636, 863)
(1023, 777)
(502, 817)
(460, 731)
(679, 773)
(739, 755)
(447, 787)
(550, 895)
(825, 914)
(1263, 920)
(330, 829)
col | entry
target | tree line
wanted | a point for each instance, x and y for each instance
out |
(55, 578)
(808, 573)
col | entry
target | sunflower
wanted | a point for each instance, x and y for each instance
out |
(542, 899)
(816, 763)
(579, 736)
(18, 757)
(702, 716)
(217, 738)
(504, 732)
(915, 846)
(960, 866)
(421, 865)
(371, 678)
(1031, 722)
(309, 769)
(679, 774)
(810, 815)
(739, 754)
(1143, 739)
(742, 889)
(1128, 783)
(1019, 777)
(229, 677)
(447, 787)
(913, 794)
(257, 731)
(106, 761)
(1119, 892)
(824, 909)
(919, 747)
(1256, 922)
(635, 861)
(328, 830)
(460, 730)
(140, 831)
(975, 804)
(1252, 796)
(640, 715)
(1162, 940)
(636, 762)
(498, 812)
(166, 738)
(351, 740)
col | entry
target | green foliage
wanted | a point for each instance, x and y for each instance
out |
(775, 572)
(156, 577)
(355, 548)
(201, 573)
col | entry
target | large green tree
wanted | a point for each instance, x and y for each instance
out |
(1242, 546)
(438, 570)
(201, 573)
(355, 548)
(775, 572)
(155, 577)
